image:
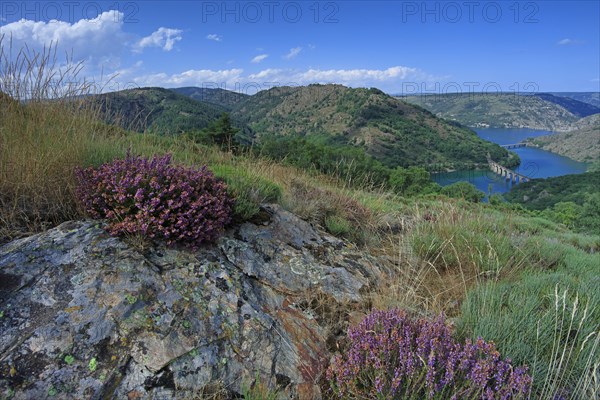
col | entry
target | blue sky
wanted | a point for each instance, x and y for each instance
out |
(397, 46)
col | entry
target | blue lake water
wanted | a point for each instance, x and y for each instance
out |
(535, 163)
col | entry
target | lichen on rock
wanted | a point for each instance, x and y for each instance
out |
(86, 315)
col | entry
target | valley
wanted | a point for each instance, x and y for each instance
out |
(388, 130)
(376, 130)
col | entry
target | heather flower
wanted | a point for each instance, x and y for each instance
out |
(157, 199)
(392, 356)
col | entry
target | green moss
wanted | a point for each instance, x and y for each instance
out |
(93, 364)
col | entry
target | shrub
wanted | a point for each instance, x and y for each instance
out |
(412, 181)
(220, 132)
(392, 356)
(589, 220)
(463, 190)
(496, 200)
(158, 200)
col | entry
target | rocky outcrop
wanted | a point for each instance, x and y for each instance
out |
(86, 315)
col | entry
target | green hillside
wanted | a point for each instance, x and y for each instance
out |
(157, 110)
(220, 97)
(500, 110)
(390, 130)
(539, 194)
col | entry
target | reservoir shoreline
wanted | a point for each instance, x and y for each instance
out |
(535, 162)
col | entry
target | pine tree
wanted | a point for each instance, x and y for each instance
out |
(221, 132)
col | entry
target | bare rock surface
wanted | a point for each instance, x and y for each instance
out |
(86, 315)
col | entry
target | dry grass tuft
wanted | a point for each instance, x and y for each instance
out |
(339, 213)
(46, 130)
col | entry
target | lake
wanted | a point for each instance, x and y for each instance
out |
(535, 163)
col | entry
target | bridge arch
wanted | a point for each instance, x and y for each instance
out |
(506, 173)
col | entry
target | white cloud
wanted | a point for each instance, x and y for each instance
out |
(267, 74)
(259, 58)
(201, 78)
(98, 40)
(350, 77)
(567, 41)
(293, 53)
(215, 37)
(129, 71)
(164, 38)
(388, 79)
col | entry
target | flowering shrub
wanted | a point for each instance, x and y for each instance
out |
(392, 356)
(154, 198)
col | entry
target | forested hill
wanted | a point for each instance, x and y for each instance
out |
(385, 128)
(540, 194)
(156, 110)
(390, 130)
(220, 97)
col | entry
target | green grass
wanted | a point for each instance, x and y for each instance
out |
(528, 284)
(337, 225)
(480, 240)
(547, 319)
(249, 190)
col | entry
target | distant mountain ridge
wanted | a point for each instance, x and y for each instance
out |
(592, 98)
(575, 107)
(507, 110)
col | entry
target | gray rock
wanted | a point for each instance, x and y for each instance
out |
(85, 315)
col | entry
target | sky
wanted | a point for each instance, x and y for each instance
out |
(400, 47)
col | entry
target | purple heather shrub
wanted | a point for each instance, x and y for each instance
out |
(156, 199)
(393, 356)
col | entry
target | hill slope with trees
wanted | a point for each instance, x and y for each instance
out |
(390, 130)
(220, 97)
(156, 109)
